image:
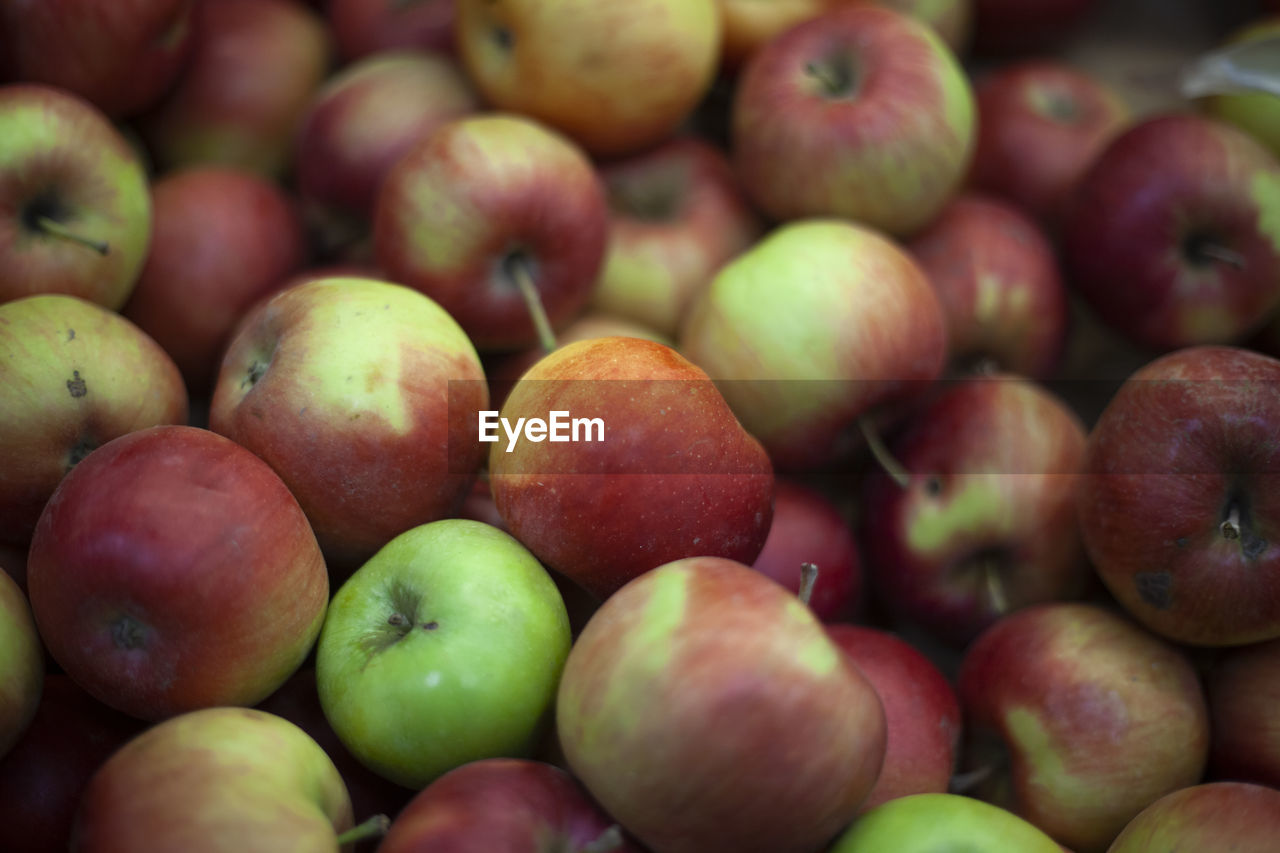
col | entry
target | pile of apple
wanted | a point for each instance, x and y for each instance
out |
(668, 425)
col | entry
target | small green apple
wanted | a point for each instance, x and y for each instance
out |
(942, 823)
(21, 663)
(445, 647)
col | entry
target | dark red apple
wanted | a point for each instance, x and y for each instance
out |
(364, 27)
(1002, 27)
(1244, 690)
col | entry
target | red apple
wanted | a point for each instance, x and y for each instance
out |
(224, 238)
(1002, 27)
(1243, 688)
(1211, 816)
(364, 27)
(1179, 507)
(173, 570)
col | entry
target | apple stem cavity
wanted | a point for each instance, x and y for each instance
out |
(374, 827)
(995, 587)
(963, 783)
(1230, 526)
(808, 579)
(881, 454)
(1205, 250)
(609, 840)
(55, 228)
(516, 266)
(835, 76)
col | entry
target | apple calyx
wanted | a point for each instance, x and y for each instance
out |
(374, 827)
(38, 217)
(808, 578)
(517, 268)
(881, 454)
(837, 76)
(1203, 250)
(606, 842)
(1057, 106)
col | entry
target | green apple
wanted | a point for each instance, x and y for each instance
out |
(445, 647)
(21, 663)
(942, 823)
(1255, 112)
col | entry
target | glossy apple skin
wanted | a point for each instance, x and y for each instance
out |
(603, 512)
(864, 329)
(76, 375)
(254, 67)
(173, 570)
(1210, 816)
(364, 27)
(928, 823)
(922, 714)
(676, 216)
(1186, 438)
(211, 780)
(355, 391)
(1243, 686)
(1008, 27)
(808, 527)
(1138, 237)
(997, 276)
(224, 238)
(741, 725)
(121, 56)
(444, 648)
(1041, 123)
(508, 804)
(21, 664)
(44, 776)
(617, 76)
(481, 189)
(1085, 717)
(68, 161)
(886, 148)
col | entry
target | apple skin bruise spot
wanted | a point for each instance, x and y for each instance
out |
(76, 385)
(1155, 588)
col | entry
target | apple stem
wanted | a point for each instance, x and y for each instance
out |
(808, 579)
(609, 840)
(1231, 527)
(891, 466)
(52, 226)
(517, 267)
(962, 783)
(995, 588)
(1216, 252)
(374, 827)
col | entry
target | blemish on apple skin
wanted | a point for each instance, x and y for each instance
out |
(76, 385)
(1155, 588)
(71, 335)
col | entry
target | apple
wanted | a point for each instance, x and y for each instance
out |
(952, 20)
(1172, 236)
(810, 330)
(1041, 124)
(1080, 719)
(706, 708)
(77, 215)
(922, 713)
(482, 210)
(444, 648)
(1178, 506)
(933, 822)
(861, 113)
(121, 56)
(1210, 816)
(808, 527)
(361, 395)
(1007, 27)
(254, 67)
(223, 238)
(173, 570)
(44, 775)
(510, 804)
(648, 465)
(21, 664)
(997, 276)
(677, 215)
(76, 375)
(364, 27)
(1257, 113)
(617, 76)
(1243, 686)
(215, 779)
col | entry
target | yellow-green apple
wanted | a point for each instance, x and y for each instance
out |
(922, 714)
(1257, 113)
(75, 375)
(254, 67)
(511, 804)
(485, 207)
(362, 395)
(937, 822)
(172, 570)
(363, 27)
(444, 648)
(808, 527)
(121, 56)
(1008, 27)
(1179, 504)
(1041, 123)
(617, 76)
(1235, 816)
(224, 237)
(676, 216)
(1243, 687)
(706, 708)
(998, 278)
(211, 780)
(75, 214)
(812, 328)
(861, 113)
(43, 776)
(1077, 719)
(1172, 236)
(648, 464)
(21, 663)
